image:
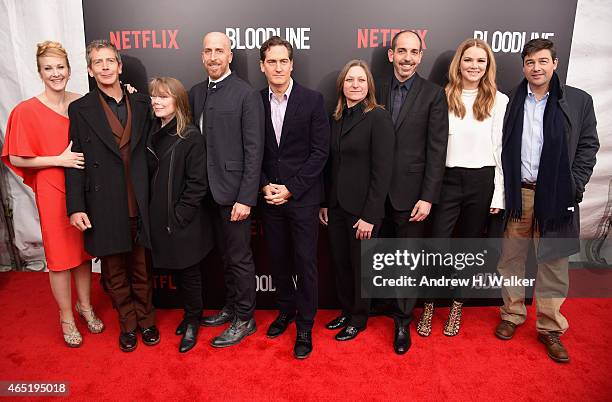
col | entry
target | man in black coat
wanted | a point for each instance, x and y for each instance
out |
(548, 154)
(296, 149)
(108, 200)
(420, 115)
(230, 115)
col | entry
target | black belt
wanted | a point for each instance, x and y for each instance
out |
(530, 186)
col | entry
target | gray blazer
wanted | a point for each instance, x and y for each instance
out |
(234, 131)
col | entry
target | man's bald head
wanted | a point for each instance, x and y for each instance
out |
(403, 33)
(216, 54)
(216, 37)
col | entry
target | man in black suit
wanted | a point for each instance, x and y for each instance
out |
(420, 116)
(109, 199)
(296, 149)
(229, 113)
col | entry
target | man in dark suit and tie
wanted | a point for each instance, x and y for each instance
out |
(296, 149)
(229, 113)
(420, 116)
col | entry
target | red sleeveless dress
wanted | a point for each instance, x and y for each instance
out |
(36, 130)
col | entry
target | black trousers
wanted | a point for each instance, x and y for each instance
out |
(291, 235)
(190, 286)
(464, 203)
(397, 225)
(346, 255)
(234, 242)
(463, 209)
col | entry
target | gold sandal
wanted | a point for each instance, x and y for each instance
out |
(73, 337)
(453, 323)
(94, 324)
(424, 324)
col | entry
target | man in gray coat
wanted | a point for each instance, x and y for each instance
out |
(549, 147)
(229, 113)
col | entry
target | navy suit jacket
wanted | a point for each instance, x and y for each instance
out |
(299, 159)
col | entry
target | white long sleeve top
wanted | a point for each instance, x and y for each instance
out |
(476, 144)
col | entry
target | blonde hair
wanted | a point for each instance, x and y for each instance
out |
(50, 48)
(485, 100)
(370, 99)
(176, 90)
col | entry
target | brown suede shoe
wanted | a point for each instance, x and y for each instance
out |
(554, 347)
(505, 330)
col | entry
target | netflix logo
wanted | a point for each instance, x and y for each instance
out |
(381, 37)
(144, 39)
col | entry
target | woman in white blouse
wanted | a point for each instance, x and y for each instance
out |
(473, 184)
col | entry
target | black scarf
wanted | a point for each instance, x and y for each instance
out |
(554, 184)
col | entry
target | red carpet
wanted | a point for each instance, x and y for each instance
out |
(473, 366)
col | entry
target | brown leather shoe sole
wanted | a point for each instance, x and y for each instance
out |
(507, 327)
(552, 356)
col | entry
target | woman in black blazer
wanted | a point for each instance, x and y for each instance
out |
(181, 233)
(358, 179)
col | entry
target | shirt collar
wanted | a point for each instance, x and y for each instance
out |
(224, 76)
(287, 92)
(395, 84)
(532, 95)
(108, 98)
(350, 111)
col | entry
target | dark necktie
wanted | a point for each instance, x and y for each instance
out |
(398, 101)
(212, 85)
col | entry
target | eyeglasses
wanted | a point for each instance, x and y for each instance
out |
(160, 97)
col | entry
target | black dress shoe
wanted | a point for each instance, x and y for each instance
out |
(128, 341)
(338, 322)
(234, 333)
(150, 336)
(180, 330)
(220, 318)
(401, 339)
(303, 344)
(348, 333)
(190, 337)
(280, 324)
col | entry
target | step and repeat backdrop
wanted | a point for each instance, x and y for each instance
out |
(161, 38)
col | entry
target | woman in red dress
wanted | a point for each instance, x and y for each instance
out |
(36, 148)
